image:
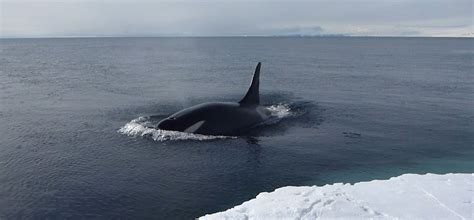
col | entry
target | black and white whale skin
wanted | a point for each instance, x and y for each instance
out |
(221, 118)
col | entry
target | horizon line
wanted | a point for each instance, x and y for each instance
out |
(236, 36)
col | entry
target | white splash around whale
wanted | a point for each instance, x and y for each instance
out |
(144, 127)
(138, 127)
(280, 110)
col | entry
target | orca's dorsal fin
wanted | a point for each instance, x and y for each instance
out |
(253, 95)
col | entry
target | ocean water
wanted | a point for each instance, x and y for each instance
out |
(77, 115)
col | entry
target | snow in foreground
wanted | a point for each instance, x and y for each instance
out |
(408, 196)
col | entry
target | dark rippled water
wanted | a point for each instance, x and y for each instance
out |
(362, 109)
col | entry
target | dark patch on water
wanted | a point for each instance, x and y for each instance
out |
(351, 134)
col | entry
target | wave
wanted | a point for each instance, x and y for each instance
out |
(144, 127)
(140, 127)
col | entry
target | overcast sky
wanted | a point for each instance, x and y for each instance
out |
(56, 18)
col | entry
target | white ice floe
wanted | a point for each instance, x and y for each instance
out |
(409, 196)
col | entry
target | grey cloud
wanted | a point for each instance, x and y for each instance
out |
(225, 18)
(410, 33)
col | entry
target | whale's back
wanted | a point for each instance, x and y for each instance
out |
(227, 118)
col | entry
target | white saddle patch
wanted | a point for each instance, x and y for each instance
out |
(194, 127)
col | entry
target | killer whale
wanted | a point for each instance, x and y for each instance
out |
(221, 118)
